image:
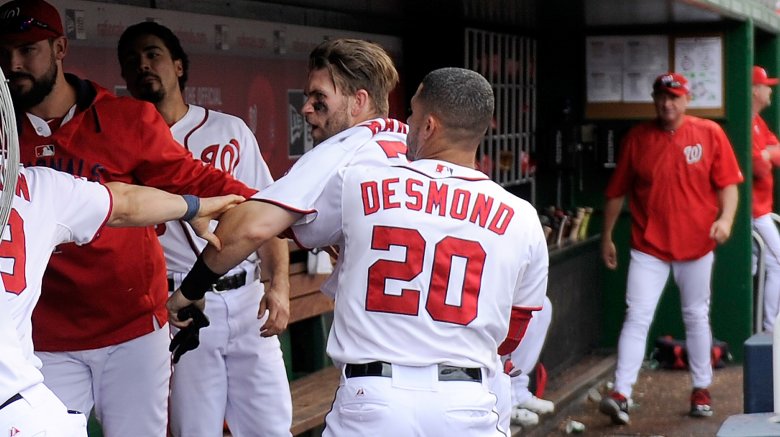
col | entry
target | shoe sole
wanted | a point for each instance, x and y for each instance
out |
(540, 411)
(612, 409)
(698, 413)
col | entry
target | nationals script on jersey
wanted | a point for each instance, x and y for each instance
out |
(49, 208)
(434, 257)
(221, 141)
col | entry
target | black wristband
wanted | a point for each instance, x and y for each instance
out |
(198, 281)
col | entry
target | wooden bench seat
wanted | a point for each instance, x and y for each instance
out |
(312, 398)
(312, 395)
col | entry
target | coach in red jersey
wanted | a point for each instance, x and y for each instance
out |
(100, 326)
(765, 155)
(680, 175)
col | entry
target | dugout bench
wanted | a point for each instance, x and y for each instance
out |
(313, 379)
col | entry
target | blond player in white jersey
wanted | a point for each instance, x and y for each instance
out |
(242, 371)
(52, 208)
(347, 105)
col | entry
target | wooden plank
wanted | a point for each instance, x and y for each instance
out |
(312, 398)
(304, 284)
(309, 306)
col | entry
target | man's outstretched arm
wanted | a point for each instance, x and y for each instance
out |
(241, 230)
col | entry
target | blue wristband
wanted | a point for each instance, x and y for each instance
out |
(193, 206)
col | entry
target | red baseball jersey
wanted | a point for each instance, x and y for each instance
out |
(672, 179)
(112, 290)
(763, 180)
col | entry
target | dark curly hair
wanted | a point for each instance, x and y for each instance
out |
(166, 35)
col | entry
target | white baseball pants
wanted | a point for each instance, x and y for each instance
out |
(526, 355)
(127, 383)
(234, 375)
(766, 227)
(501, 386)
(41, 413)
(647, 276)
(412, 403)
(513, 391)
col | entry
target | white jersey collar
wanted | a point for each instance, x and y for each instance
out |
(436, 169)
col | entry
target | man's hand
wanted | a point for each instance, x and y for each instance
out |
(188, 338)
(720, 230)
(276, 301)
(176, 302)
(210, 209)
(609, 254)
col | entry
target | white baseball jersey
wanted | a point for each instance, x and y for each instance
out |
(434, 257)
(50, 208)
(380, 141)
(220, 140)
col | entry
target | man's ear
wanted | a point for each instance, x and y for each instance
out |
(60, 47)
(178, 66)
(361, 103)
(431, 126)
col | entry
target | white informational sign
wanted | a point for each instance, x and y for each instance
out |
(604, 66)
(622, 68)
(645, 58)
(700, 60)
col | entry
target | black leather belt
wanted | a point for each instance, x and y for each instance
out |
(223, 284)
(381, 368)
(11, 400)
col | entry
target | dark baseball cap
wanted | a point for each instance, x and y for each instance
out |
(29, 21)
(672, 83)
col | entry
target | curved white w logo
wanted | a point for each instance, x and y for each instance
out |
(693, 153)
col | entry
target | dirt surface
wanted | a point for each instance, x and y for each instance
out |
(661, 407)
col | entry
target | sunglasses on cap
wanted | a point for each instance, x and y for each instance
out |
(21, 24)
(669, 82)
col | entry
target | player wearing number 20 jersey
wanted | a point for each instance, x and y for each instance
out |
(453, 276)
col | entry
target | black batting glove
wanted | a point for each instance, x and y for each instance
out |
(188, 338)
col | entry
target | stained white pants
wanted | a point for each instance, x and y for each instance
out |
(527, 353)
(127, 383)
(412, 403)
(766, 227)
(234, 375)
(647, 277)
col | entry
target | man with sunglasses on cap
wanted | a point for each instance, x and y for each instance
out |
(100, 325)
(681, 177)
(766, 155)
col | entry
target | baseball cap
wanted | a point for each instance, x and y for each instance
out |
(761, 78)
(672, 83)
(29, 21)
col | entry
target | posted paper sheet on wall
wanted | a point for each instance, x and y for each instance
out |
(700, 60)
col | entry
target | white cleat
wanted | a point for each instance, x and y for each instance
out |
(524, 418)
(538, 406)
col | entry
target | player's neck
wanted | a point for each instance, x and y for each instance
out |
(172, 110)
(462, 155)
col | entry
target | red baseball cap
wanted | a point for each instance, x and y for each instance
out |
(761, 78)
(672, 83)
(29, 21)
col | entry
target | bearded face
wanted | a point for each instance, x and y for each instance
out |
(27, 91)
